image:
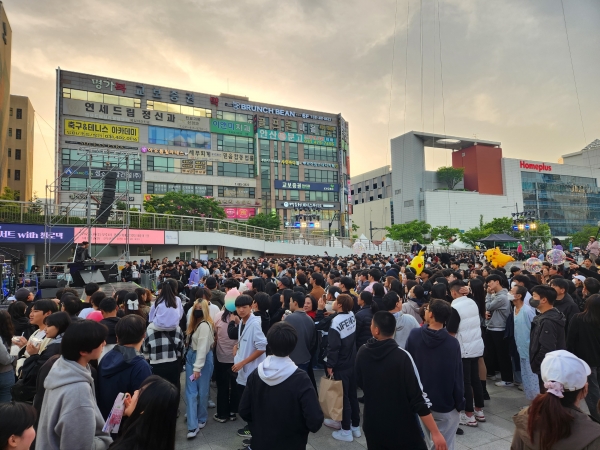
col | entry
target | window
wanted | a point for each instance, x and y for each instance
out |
(179, 109)
(294, 195)
(397, 191)
(379, 196)
(18, 154)
(235, 170)
(352, 192)
(163, 188)
(359, 189)
(10, 112)
(9, 132)
(275, 150)
(74, 157)
(363, 200)
(320, 153)
(19, 113)
(9, 152)
(371, 198)
(320, 176)
(356, 202)
(236, 144)
(294, 173)
(102, 98)
(17, 175)
(366, 187)
(322, 196)
(319, 130)
(179, 138)
(236, 192)
(374, 185)
(265, 152)
(265, 177)
(171, 165)
(237, 117)
(80, 184)
(237, 252)
(409, 203)
(8, 173)
(293, 150)
(382, 183)
(18, 136)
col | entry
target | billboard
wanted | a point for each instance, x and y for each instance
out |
(34, 234)
(306, 186)
(221, 126)
(297, 137)
(99, 130)
(136, 237)
(240, 213)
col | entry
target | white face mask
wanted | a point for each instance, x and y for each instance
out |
(510, 297)
(513, 284)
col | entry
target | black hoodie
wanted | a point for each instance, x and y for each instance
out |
(547, 335)
(393, 396)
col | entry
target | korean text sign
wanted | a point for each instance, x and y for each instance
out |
(34, 234)
(98, 130)
(297, 137)
(104, 236)
(306, 186)
(230, 127)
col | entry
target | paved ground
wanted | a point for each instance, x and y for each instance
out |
(495, 434)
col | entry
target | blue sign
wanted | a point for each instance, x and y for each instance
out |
(306, 186)
(34, 234)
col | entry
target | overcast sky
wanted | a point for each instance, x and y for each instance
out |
(504, 64)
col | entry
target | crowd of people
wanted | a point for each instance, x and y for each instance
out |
(421, 347)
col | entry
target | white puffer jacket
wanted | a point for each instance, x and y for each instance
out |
(469, 330)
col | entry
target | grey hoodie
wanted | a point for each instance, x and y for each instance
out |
(70, 418)
(498, 305)
(404, 324)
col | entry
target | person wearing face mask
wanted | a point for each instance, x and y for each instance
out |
(547, 329)
(198, 367)
(523, 315)
(414, 301)
(554, 420)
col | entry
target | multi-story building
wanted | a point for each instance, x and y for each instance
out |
(372, 208)
(5, 58)
(251, 157)
(19, 147)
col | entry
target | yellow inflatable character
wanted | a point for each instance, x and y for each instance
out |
(497, 258)
(418, 263)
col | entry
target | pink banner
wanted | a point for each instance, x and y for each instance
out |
(104, 236)
(240, 213)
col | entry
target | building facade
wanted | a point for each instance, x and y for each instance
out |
(19, 147)
(372, 205)
(251, 157)
(564, 195)
(5, 64)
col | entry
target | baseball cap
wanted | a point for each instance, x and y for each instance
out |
(563, 371)
(286, 281)
(580, 278)
(22, 294)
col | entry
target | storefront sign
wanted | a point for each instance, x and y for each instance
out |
(237, 201)
(105, 235)
(172, 237)
(539, 167)
(289, 162)
(297, 137)
(240, 213)
(306, 186)
(98, 130)
(163, 151)
(118, 113)
(306, 205)
(83, 172)
(279, 112)
(320, 164)
(102, 145)
(34, 234)
(230, 127)
(193, 166)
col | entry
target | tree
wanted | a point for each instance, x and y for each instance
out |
(500, 225)
(445, 235)
(450, 175)
(121, 206)
(178, 203)
(270, 221)
(581, 238)
(409, 231)
(355, 227)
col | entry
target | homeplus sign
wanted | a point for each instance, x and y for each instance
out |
(535, 166)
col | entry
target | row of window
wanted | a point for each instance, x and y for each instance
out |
(163, 188)
(379, 196)
(304, 196)
(17, 135)
(311, 152)
(98, 97)
(237, 144)
(17, 174)
(19, 113)
(76, 158)
(17, 153)
(178, 138)
(359, 190)
(81, 184)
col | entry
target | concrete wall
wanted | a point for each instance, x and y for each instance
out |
(377, 211)
(408, 170)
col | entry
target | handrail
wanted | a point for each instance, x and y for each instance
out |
(59, 215)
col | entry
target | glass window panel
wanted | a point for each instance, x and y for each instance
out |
(228, 115)
(173, 108)
(111, 99)
(189, 110)
(80, 95)
(126, 101)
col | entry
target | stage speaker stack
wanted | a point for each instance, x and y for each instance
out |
(108, 197)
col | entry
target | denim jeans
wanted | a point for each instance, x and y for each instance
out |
(7, 379)
(196, 392)
(593, 392)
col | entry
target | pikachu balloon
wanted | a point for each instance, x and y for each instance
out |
(497, 258)
(418, 263)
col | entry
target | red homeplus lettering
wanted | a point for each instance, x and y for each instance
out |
(539, 167)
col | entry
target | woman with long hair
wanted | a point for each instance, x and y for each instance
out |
(556, 244)
(152, 412)
(7, 371)
(583, 341)
(554, 420)
(227, 398)
(199, 366)
(167, 309)
(378, 293)
(20, 321)
(258, 285)
(144, 296)
(310, 306)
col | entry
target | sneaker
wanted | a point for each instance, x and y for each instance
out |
(504, 384)
(220, 419)
(332, 424)
(232, 416)
(343, 435)
(244, 432)
(460, 431)
(211, 404)
(193, 433)
(492, 377)
(355, 432)
(201, 425)
(247, 443)
(468, 421)
(479, 416)
(520, 387)
(486, 395)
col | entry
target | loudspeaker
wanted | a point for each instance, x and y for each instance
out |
(50, 283)
(108, 197)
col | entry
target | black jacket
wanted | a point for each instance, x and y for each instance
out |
(110, 323)
(281, 416)
(393, 396)
(547, 335)
(363, 326)
(569, 308)
(583, 340)
(341, 342)
(81, 254)
(126, 274)
(23, 327)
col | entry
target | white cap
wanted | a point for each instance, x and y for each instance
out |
(562, 371)
(580, 278)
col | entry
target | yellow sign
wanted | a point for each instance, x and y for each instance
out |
(101, 130)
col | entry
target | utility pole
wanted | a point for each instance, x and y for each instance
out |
(371, 229)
